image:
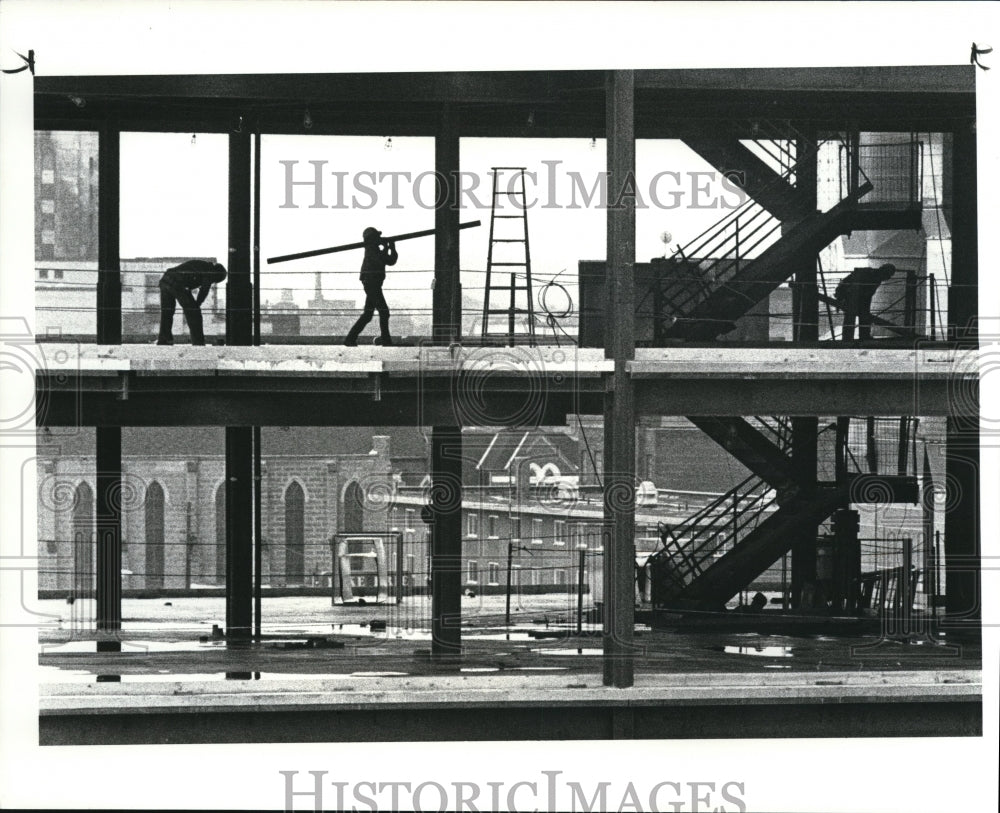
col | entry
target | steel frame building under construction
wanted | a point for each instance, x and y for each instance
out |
(655, 339)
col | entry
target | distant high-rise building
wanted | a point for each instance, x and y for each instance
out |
(66, 186)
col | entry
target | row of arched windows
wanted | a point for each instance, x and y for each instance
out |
(83, 524)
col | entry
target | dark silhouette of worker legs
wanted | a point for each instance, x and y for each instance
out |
(169, 297)
(374, 300)
(865, 320)
(850, 317)
(168, 306)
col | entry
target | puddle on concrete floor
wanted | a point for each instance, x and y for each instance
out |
(479, 669)
(763, 651)
(132, 646)
(571, 651)
(379, 674)
(51, 674)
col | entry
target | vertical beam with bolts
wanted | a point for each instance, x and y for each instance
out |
(447, 310)
(256, 236)
(446, 441)
(446, 540)
(109, 537)
(962, 464)
(805, 328)
(619, 397)
(239, 533)
(239, 290)
(109, 277)
(258, 542)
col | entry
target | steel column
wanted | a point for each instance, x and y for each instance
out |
(446, 540)
(447, 298)
(961, 522)
(239, 533)
(619, 399)
(109, 537)
(446, 441)
(109, 277)
(963, 293)
(239, 290)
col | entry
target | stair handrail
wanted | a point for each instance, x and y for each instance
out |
(716, 237)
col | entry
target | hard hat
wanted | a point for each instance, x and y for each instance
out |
(370, 234)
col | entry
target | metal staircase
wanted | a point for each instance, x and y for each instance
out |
(714, 279)
(722, 548)
(776, 150)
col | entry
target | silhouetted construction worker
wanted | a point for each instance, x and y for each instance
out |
(176, 286)
(854, 295)
(378, 254)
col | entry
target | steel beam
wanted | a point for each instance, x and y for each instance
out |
(109, 278)
(109, 537)
(239, 533)
(619, 400)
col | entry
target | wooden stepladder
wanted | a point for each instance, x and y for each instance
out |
(509, 243)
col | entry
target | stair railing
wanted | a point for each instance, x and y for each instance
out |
(717, 255)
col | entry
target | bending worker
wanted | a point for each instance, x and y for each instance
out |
(855, 294)
(176, 286)
(378, 254)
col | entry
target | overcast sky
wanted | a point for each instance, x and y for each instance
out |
(174, 203)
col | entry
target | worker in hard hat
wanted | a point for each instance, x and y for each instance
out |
(854, 294)
(176, 286)
(378, 254)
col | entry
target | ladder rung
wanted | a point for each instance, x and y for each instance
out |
(509, 217)
(517, 192)
(506, 264)
(508, 311)
(521, 169)
(509, 240)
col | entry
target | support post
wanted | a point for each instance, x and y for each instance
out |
(961, 525)
(446, 441)
(446, 541)
(109, 277)
(447, 310)
(905, 593)
(258, 542)
(619, 397)
(239, 290)
(961, 522)
(239, 533)
(256, 234)
(510, 564)
(580, 583)
(109, 538)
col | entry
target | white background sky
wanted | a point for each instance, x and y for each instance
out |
(174, 199)
(180, 37)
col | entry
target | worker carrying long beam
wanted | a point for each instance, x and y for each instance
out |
(854, 294)
(176, 286)
(378, 254)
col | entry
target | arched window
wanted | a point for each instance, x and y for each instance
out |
(155, 558)
(83, 541)
(220, 534)
(295, 514)
(354, 509)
